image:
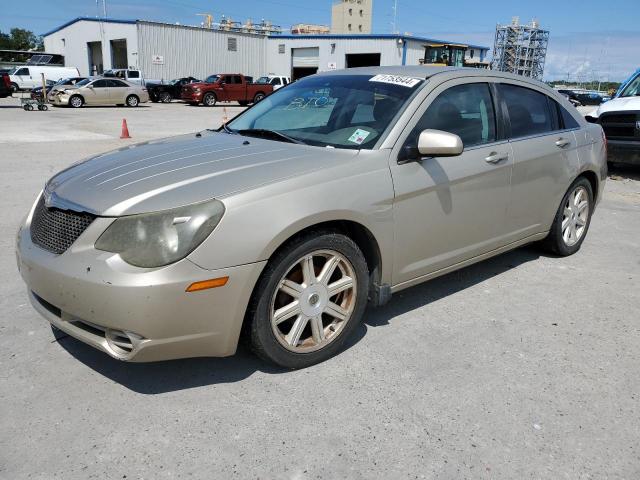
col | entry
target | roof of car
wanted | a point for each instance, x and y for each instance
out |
(425, 71)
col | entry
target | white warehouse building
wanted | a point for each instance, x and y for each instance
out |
(166, 51)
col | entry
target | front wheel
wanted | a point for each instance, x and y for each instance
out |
(14, 87)
(76, 101)
(132, 101)
(572, 220)
(165, 97)
(209, 100)
(308, 301)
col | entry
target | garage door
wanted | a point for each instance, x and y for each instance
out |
(306, 57)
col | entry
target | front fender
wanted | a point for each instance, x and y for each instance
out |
(260, 220)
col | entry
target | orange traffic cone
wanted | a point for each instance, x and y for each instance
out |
(125, 130)
(225, 117)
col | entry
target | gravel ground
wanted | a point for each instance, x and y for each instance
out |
(522, 367)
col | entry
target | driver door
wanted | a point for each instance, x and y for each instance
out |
(451, 209)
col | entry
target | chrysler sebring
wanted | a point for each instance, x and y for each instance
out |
(333, 193)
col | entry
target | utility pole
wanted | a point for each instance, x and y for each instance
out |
(395, 16)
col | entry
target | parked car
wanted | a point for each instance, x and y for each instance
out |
(332, 193)
(276, 81)
(160, 92)
(130, 75)
(620, 119)
(59, 85)
(5, 85)
(100, 91)
(30, 76)
(225, 88)
(582, 98)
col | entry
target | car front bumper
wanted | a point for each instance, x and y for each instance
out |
(191, 96)
(134, 314)
(627, 152)
(59, 99)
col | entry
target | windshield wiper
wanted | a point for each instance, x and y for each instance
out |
(265, 133)
(225, 128)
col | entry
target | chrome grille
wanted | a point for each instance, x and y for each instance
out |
(55, 230)
(620, 125)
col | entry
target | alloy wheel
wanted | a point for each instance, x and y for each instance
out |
(314, 301)
(575, 217)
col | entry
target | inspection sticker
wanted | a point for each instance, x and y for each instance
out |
(408, 82)
(359, 136)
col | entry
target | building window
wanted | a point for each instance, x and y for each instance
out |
(281, 48)
(232, 44)
(350, 11)
(361, 13)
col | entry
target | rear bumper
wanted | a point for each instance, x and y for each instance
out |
(627, 152)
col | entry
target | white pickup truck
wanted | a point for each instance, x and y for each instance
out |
(277, 81)
(130, 75)
(620, 120)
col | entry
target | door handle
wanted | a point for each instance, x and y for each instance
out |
(562, 142)
(495, 157)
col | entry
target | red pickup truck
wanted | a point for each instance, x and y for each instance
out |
(225, 87)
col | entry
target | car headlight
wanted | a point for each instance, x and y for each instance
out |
(157, 239)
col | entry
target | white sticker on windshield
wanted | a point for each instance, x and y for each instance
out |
(359, 136)
(408, 82)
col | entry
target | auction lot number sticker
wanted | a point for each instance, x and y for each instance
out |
(408, 82)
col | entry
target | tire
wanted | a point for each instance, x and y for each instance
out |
(26, 108)
(193, 104)
(574, 216)
(14, 88)
(133, 101)
(76, 101)
(209, 100)
(243, 103)
(165, 97)
(315, 333)
(259, 97)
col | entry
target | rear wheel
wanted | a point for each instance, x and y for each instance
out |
(76, 101)
(165, 97)
(572, 220)
(259, 97)
(309, 300)
(133, 101)
(210, 100)
(243, 103)
(14, 87)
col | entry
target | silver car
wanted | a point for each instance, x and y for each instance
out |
(100, 91)
(332, 193)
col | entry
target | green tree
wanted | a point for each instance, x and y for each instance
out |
(20, 39)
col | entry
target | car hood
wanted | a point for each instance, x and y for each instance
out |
(617, 105)
(179, 171)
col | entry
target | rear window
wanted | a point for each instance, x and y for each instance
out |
(529, 112)
(134, 74)
(567, 120)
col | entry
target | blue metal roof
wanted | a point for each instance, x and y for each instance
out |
(374, 36)
(88, 19)
(380, 36)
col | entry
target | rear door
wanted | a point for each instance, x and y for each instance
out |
(117, 91)
(450, 209)
(545, 158)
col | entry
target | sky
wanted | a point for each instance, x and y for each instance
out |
(588, 40)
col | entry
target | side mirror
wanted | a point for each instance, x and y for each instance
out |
(436, 143)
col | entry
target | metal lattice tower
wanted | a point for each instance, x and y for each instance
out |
(520, 49)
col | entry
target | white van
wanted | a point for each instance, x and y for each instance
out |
(29, 76)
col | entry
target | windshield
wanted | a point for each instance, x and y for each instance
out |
(341, 111)
(263, 80)
(633, 89)
(212, 79)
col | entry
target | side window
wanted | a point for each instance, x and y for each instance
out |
(275, 81)
(466, 110)
(237, 79)
(134, 74)
(23, 71)
(117, 83)
(568, 121)
(227, 79)
(529, 112)
(100, 83)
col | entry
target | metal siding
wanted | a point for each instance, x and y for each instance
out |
(197, 51)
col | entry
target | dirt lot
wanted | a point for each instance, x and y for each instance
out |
(522, 367)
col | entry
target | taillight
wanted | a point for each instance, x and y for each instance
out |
(7, 81)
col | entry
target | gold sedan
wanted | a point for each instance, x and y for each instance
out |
(100, 91)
